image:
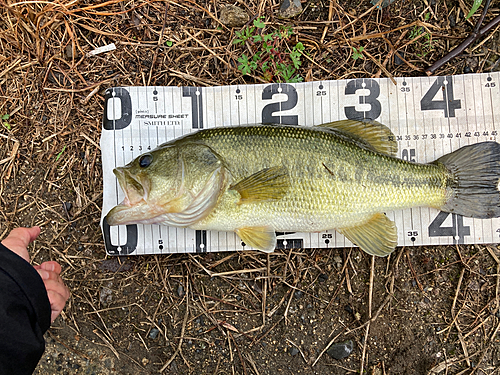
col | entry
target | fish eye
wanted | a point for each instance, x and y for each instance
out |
(145, 160)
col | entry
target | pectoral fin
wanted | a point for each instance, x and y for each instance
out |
(377, 237)
(368, 132)
(267, 184)
(260, 238)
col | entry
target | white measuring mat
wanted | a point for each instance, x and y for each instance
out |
(429, 116)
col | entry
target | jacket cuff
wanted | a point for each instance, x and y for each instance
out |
(30, 282)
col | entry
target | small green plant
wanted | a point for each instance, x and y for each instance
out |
(169, 43)
(475, 7)
(426, 46)
(5, 123)
(357, 53)
(60, 153)
(271, 58)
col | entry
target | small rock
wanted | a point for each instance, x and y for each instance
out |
(154, 333)
(108, 363)
(114, 265)
(298, 294)
(474, 285)
(384, 4)
(323, 277)
(293, 351)
(67, 206)
(180, 291)
(68, 51)
(397, 59)
(233, 16)
(290, 8)
(451, 18)
(106, 294)
(341, 350)
(337, 259)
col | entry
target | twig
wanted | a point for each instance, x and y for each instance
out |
(54, 337)
(353, 21)
(160, 41)
(330, 16)
(476, 34)
(370, 297)
(252, 363)
(326, 348)
(239, 354)
(300, 350)
(184, 322)
(208, 49)
(492, 337)
(381, 34)
(381, 67)
(108, 344)
(413, 271)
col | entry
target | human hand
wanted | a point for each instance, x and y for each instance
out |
(58, 293)
(19, 239)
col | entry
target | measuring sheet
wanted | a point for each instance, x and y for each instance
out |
(429, 116)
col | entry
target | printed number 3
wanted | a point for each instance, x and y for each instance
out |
(371, 99)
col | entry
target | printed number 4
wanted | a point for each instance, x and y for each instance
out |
(448, 105)
(457, 230)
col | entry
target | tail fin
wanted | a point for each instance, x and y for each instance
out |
(476, 175)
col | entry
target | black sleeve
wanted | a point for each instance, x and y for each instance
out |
(24, 314)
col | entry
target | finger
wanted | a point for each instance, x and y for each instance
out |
(51, 266)
(48, 275)
(57, 286)
(22, 236)
(18, 240)
(57, 303)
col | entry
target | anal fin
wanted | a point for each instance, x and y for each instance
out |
(378, 236)
(261, 238)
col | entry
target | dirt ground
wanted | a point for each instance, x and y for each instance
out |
(430, 310)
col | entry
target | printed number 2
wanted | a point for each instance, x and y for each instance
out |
(269, 110)
(371, 99)
(448, 104)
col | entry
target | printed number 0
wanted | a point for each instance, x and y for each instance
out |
(364, 84)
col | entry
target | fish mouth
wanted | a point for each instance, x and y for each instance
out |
(134, 207)
(135, 189)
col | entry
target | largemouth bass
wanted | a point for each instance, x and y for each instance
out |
(260, 179)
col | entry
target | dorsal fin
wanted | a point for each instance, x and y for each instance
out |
(368, 132)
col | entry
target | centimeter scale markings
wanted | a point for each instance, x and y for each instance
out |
(429, 116)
